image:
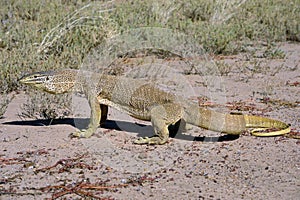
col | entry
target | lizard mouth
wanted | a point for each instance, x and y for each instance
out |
(33, 81)
(29, 81)
(35, 78)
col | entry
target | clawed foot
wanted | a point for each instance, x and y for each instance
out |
(84, 133)
(152, 140)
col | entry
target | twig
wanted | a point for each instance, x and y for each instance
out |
(13, 161)
(74, 20)
(80, 189)
(67, 164)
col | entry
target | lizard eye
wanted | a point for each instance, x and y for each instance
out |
(47, 78)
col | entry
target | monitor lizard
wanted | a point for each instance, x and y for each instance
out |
(146, 101)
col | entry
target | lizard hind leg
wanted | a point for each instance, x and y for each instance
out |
(161, 117)
(104, 111)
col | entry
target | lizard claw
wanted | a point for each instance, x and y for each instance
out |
(142, 140)
(152, 140)
(84, 133)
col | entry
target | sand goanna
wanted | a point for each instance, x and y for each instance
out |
(146, 101)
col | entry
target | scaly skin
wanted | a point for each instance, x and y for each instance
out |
(145, 101)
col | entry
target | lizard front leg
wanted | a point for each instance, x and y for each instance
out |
(95, 117)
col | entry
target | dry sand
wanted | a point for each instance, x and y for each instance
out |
(108, 165)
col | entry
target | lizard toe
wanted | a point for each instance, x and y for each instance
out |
(85, 133)
(152, 140)
(142, 140)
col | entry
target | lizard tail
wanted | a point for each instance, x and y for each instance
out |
(261, 124)
(234, 123)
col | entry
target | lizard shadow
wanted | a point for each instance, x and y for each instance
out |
(80, 123)
(47, 122)
(176, 131)
(143, 130)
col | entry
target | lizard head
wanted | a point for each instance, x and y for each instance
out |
(50, 81)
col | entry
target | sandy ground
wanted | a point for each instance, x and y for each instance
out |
(39, 161)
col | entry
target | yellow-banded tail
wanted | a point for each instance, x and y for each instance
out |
(262, 124)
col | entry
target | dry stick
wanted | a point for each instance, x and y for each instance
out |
(66, 163)
(65, 190)
(12, 161)
(62, 193)
(79, 189)
(293, 134)
(82, 189)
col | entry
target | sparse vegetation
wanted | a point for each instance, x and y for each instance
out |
(223, 68)
(43, 35)
(274, 54)
(5, 100)
(46, 106)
